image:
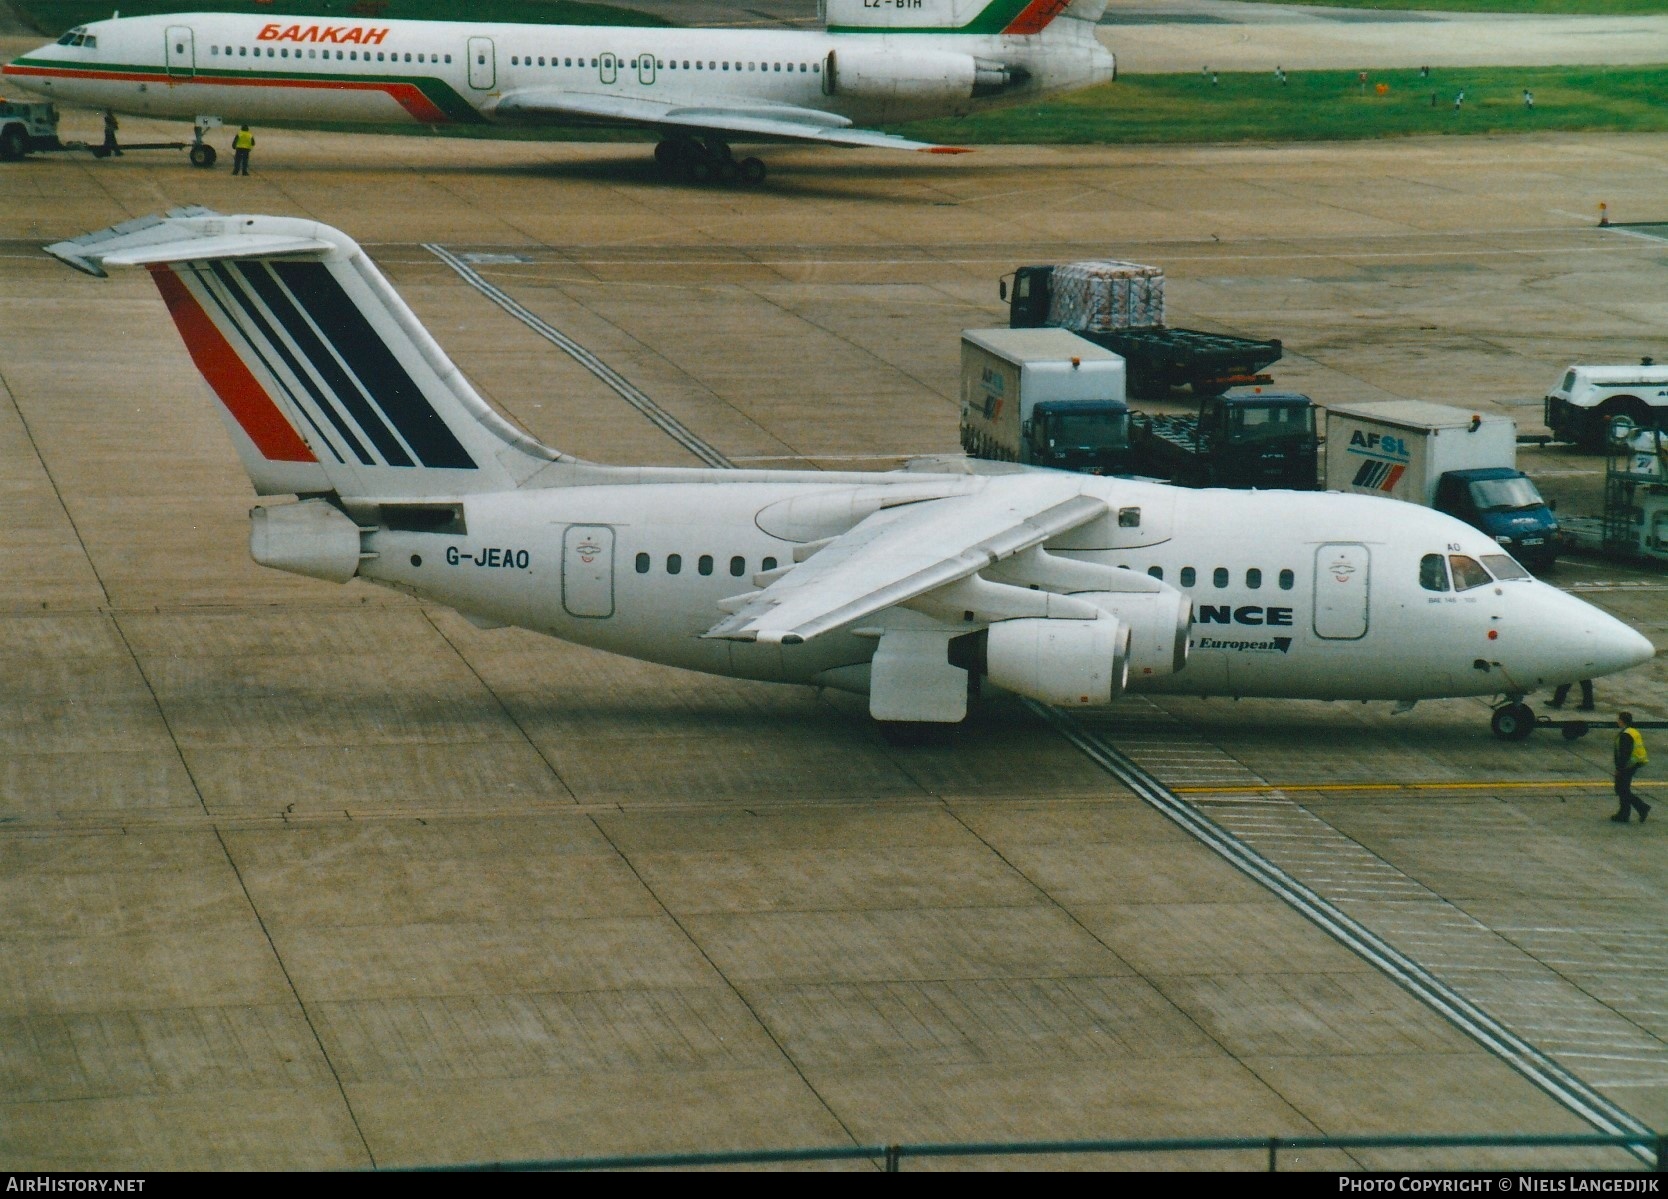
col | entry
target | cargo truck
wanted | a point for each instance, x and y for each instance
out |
(1120, 305)
(1585, 401)
(1242, 438)
(1043, 397)
(1450, 459)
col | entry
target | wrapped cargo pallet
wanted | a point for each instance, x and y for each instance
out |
(1102, 296)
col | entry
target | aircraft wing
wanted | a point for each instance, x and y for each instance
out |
(899, 554)
(742, 118)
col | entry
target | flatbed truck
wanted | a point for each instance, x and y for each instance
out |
(1158, 358)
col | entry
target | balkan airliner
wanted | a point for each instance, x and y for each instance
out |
(875, 62)
(917, 587)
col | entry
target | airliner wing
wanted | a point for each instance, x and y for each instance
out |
(899, 554)
(741, 118)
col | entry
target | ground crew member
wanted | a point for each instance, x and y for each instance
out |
(1630, 756)
(110, 147)
(241, 145)
(1563, 692)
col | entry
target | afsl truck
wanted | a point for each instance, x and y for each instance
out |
(1044, 397)
(1450, 459)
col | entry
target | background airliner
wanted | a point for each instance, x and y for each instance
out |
(912, 587)
(876, 62)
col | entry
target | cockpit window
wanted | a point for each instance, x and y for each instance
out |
(1502, 566)
(1468, 573)
(74, 37)
(1433, 573)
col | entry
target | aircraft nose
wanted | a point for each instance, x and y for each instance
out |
(1599, 643)
(1618, 647)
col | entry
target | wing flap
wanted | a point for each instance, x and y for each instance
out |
(740, 118)
(899, 554)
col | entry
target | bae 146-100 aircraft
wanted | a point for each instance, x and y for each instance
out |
(913, 587)
(875, 62)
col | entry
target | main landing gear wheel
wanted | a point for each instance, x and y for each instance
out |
(752, 171)
(1513, 722)
(203, 155)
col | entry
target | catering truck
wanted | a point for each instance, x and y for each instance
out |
(1588, 398)
(1451, 459)
(1044, 397)
(1120, 305)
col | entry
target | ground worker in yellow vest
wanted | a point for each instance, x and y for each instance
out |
(241, 145)
(1630, 756)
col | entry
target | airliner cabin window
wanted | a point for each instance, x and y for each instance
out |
(674, 563)
(1503, 567)
(704, 564)
(1287, 580)
(738, 566)
(1188, 575)
(1156, 572)
(642, 564)
(1219, 577)
(1433, 573)
(1129, 518)
(1253, 578)
(768, 564)
(1468, 572)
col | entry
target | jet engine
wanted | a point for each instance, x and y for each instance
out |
(1069, 663)
(1160, 625)
(862, 73)
(1158, 617)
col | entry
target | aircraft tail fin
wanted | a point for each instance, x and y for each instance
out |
(326, 379)
(1014, 18)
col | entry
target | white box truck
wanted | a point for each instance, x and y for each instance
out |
(1045, 397)
(1452, 459)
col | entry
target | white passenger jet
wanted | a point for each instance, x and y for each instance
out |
(912, 587)
(876, 62)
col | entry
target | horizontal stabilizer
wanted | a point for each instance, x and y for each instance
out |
(183, 234)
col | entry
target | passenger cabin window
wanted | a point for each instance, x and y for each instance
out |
(1503, 567)
(1188, 575)
(674, 563)
(704, 564)
(1156, 572)
(768, 564)
(1433, 573)
(1129, 518)
(738, 566)
(1219, 577)
(1253, 578)
(1468, 573)
(1287, 580)
(642, 564)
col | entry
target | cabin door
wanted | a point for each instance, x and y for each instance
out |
(483, 64)
(180, 54)
(588, 570)
(1341, 591)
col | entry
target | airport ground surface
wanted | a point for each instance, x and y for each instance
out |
(298, 875)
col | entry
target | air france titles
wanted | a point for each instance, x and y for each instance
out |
(334, 35)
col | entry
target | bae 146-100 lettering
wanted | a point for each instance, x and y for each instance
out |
(918, 588)
(699, 90)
